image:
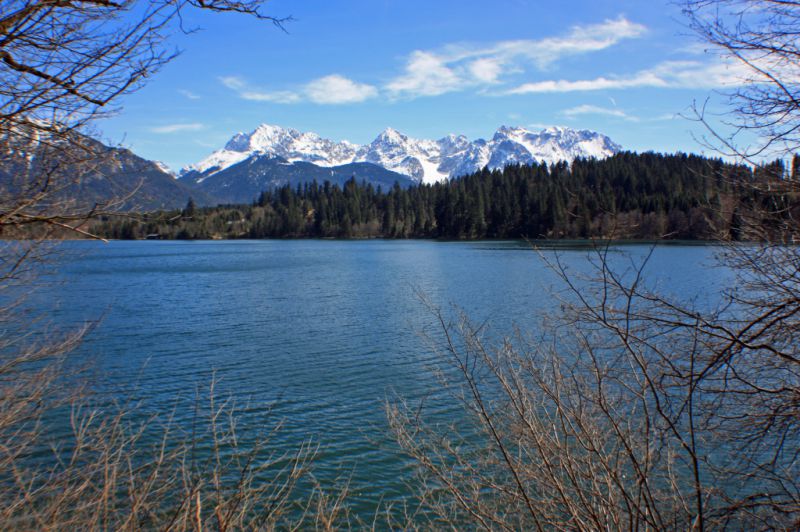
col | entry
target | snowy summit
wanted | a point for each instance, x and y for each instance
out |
(424, 161)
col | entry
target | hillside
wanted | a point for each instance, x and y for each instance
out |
(627, 196)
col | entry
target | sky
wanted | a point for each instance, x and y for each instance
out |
(347, 70)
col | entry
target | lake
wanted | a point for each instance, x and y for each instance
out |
(320, 333)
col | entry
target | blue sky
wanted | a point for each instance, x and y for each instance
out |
(349, 69)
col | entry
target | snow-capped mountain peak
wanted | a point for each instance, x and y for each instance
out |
(423, 160)
(510, 131)
(164, 167)
(391, 135)
(274, 141)
(263, 138)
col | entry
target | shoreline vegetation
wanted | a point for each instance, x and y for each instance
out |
(626, 197)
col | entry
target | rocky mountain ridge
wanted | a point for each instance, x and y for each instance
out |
(422, 160)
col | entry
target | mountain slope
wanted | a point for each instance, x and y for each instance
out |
(84, 172)
(244, 181)
(423, 161)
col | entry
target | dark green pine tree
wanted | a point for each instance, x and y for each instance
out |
(190, 209)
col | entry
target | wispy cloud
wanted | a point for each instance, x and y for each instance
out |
(486, 69)
(669, 74)
(273, 96)
(506, 68)
(336, 89)
(177, 128)
(188, 94)
(579, 40)
(459, 67)
(451, 68)
(582, 110)
(595, 84)
(233, 82)
(328, 90)
(426, 74)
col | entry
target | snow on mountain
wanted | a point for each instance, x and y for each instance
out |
(425, 161)
(418, 159)
(275, 141)
(164, 167)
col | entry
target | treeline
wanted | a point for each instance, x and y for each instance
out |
(634, 196)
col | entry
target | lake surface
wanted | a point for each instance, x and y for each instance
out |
(320, 332)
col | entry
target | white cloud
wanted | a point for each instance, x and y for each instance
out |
(696, 74)
(426, 75)
(232, 82)
(274, 96)
(458, 67)
(188, 94)
(669, 74)
(463, 67)
(177, 128)
(336, 89)
(486, 69)
(328, 90)
(582, 110)
(601, 83)
(579, 40)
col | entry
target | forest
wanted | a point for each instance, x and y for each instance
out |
(627, 196)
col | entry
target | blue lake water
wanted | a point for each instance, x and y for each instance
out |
(320, 332)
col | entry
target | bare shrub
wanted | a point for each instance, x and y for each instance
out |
(112, 468)
(632, 411)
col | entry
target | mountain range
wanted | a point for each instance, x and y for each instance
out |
(420, 160)
(271, 156)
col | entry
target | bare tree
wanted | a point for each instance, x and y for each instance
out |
(760, 40)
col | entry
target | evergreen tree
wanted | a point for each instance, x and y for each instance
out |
(628, 195)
